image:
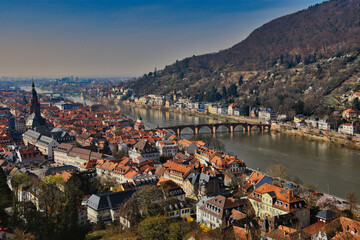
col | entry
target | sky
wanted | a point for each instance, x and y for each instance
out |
(49, 38)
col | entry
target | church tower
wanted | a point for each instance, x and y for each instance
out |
(34, 102)
(35, 119)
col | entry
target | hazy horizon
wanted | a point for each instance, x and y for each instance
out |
(117, 38)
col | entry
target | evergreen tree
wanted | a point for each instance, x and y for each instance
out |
(241, 80)
(224, 93)
(355, 104)
(5, 197)
(233, 90)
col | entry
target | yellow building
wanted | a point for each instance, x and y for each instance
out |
(270, 201)
(299, 118)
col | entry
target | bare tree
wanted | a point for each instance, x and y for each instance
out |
(278, 171)
(311, 187)
(326, 203)
(352, 199)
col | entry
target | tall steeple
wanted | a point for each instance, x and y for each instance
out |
(35, 105)
(35, 118)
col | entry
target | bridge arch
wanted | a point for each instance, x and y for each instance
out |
(186, 130)
(202, 129)
(239, 128)
(224, 127)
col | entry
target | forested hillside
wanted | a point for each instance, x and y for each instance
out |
(301, 62)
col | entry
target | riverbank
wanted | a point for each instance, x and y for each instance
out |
(340, 140)
(326, 165)
(349, 142)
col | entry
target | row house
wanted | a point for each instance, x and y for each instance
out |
(28, 156)
(267, 114)
(348, 128)
(195, 184)
(233, 109)
(186, 145)
(176, 172)
(167, 148)
(204, 155)
(323, 124)
(144, 149)
(123, 172)
(269, 201)
(256, 180)
(213, 109)
(67, 154)
(215, 212)
(228, 163)
(339, 228)
(312, 122)
(253, 112)
(20, 125)
(176, 208)
(222, 109)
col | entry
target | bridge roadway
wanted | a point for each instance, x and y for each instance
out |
(214, 126)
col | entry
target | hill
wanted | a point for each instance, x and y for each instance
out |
(302, 62)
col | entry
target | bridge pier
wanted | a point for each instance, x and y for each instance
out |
(214, 129)
(231, 128)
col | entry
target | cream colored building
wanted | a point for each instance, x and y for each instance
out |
(270, 201)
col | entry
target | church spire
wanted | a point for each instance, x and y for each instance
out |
(35, 105)
(35, 118)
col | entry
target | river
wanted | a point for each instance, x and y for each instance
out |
(333, 169)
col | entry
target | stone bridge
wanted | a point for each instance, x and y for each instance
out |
(213, 127)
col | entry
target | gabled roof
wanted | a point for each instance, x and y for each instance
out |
(220, 205)
(108, 200)
(171, 189)
(30, 134)
(314, 228)
(281, 194)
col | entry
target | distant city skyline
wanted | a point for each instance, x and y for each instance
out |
(111, 38)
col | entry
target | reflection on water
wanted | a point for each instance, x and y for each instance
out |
(314, 162)
(327, 166)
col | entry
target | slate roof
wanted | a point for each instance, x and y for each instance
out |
(326, 214)
(108, 200)
(45, 141)
(59, 169)
(30, 134)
